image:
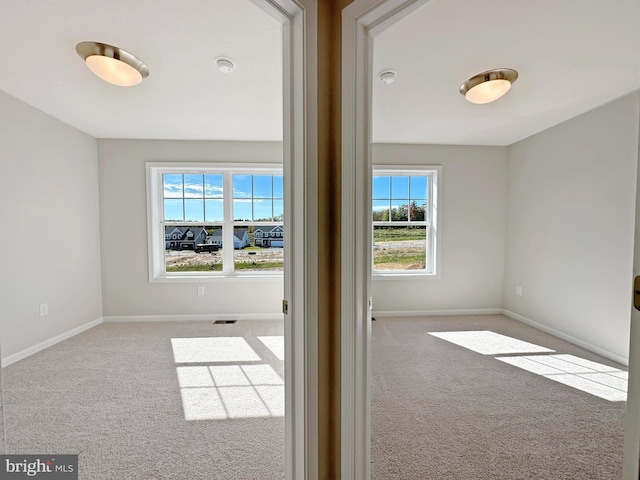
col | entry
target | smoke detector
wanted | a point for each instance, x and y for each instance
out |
(387, 77)
(225, 65)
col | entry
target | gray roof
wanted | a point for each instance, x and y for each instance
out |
(237, 232)
(183, 230)
(268, 228)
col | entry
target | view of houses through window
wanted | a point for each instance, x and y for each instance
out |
(217, 220)
(206, 215)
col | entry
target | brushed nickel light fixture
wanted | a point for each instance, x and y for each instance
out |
(113, 64)
(486, 87)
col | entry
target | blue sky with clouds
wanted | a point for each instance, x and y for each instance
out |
(390, 191)
(198, 197)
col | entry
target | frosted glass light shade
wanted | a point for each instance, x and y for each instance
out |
(488, 86)
(113, 71)
(488, 92)
(113, 64)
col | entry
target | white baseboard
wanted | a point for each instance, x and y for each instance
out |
(435, 313)
(187, 318)
(564, 336)
(16, 357)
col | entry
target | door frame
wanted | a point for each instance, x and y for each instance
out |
(361, 21)
(298, 19)
(631, 459)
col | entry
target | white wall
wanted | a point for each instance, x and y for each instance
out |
(571, 215)
(49, 213)
(570, 193)
(123, 218)
(472, 232)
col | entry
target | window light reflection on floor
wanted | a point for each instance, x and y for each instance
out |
(231, 391)
(489, 343)
(228, 390)
(212, 349)
(603, 381)
(275, 343)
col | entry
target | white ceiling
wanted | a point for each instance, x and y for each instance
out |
(572, 56)
(185, 95)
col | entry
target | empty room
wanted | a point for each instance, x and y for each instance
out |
(503, 239)
(158, 226)
(146, 334)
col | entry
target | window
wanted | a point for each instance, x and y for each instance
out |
(257, 209)
(203, 219)
(404, 206)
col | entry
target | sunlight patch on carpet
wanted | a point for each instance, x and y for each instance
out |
(194, 377)
(202, 404)
(221, 392)
(489, 343)
(243, 402)
(229, 376)
(273, 398)
(597, 379)
(262, 375)
(212, 349)
(275, 343)
(603, 381)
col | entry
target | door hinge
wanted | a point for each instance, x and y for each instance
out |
(285, 307)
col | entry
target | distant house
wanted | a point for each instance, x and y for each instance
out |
(183, 238)
(269, 236)
(216, 238)
(240, 238)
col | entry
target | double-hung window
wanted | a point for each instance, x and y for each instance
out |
(405, 220)
(212, 220)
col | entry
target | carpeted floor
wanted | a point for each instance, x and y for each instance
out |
(113, 395)
(194, 400)
(444, 411)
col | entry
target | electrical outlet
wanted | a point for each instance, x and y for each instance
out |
(44, 309)
(519, 290)
(201, 291)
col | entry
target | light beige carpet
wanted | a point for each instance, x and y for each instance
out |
(136, 405)
(143, 401)
(444, 411)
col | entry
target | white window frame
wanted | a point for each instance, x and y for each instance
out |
(432, 220)
(155, 221)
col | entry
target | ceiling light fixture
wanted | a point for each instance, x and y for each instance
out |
(488, 86)
(225, 65)
(113, 64)
(387, 77)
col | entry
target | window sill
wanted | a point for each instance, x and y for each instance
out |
(231, 277)
(376, 276)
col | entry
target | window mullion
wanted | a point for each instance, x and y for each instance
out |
(429, 211)
(160, 257)
(184, 208)
(204, 204)
(227, 230)
(253, 214)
